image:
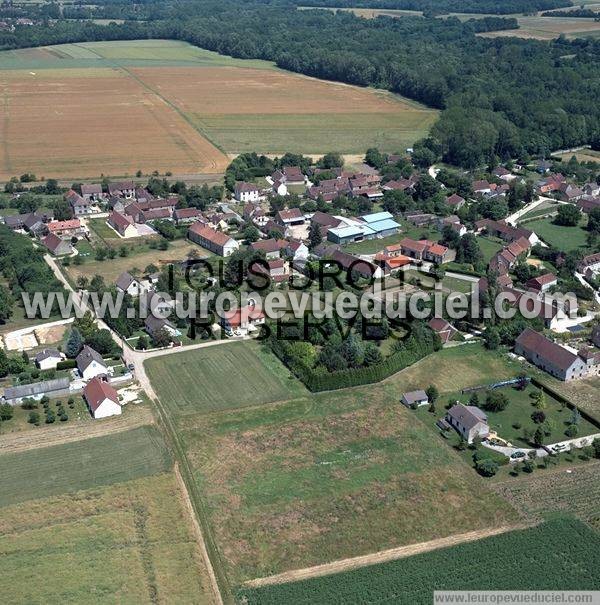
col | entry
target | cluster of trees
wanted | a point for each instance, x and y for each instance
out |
(85, 331)
(494, 93)
(24, 269)
(336, 355)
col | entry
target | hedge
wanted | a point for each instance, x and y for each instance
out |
(66, 364)
(318, 381)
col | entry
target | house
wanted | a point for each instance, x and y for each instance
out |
(569, 193)
(292, 175)
(271, 247)
(56, 245)
(79, 205)
(92, 193)
(551, 183)
(215, 241)
(365, 185)
(596, 336)
(542, 283)
(129, 284)
(102, 399)
(503, 174)
(391, 263)
(453, 222)
(15, 221)
(246, 192)
(330, 189)
(183, 216)
(242, 319)
(70, 228)
(290, 218)
(36, 390)
(155, 215)
(455, 201)
(363, 268)
(586, 203)
(90, 363)
(412, 248)
(47, 359)
(122, 224)
(589, 263)
(443, 329)
(425, 250)
(414, 399)
(279, 188)
(482, 187)
(468, 421)
(549, 356)
(154, 325)
(325, 221)
(277, 270)
(36, 224)
(124, 189)
(297, 250)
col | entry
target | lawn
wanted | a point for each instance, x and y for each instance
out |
(130, 542)
(563, 238)
(139, 257)
(70, 467)
(284, 483)
(583, 393)
(230, 375)
(456, 368)
(372, 246)
(489, 246)
(511, 422)
(562, 554)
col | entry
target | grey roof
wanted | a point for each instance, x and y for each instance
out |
(154, 323)
(15, 220)
(46, 354)
(86, 356)
(89, 189)
(414, 396)
(125, 280)
(467, 415)
(36, 388)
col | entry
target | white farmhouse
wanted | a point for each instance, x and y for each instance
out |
(246, 192)
(90, 363)
(101, 398)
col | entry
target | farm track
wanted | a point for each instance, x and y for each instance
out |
(6, 166)
(59, 435)
(383, 556)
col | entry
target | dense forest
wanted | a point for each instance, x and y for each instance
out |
(504, 97)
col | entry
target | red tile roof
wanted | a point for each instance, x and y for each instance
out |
(96, 391)
(73, 223)
(216, 237)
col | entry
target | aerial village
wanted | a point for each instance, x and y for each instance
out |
(384, 219)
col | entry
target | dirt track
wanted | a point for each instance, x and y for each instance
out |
(56, 435)
(379, 557)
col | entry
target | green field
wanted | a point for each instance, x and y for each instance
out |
(489, 247)
(282, 483)
(127, 53)
(71, 467)
(563, 238)
(456, 368)
(227, 376)
(128, 542)
(562, 554)
(315, 133)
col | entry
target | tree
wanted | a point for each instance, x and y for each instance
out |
(143, 343)
(491, 338)
(82, 282)
(539, 436)
(572, 431)
(539, 400)
(315, 237)
(373, 355)
(74, 343)
(6, 412)
(33, 418)
(594, 221)
(162, 338)
(6, 304)
(432, 393)
(495, 401)
(251, 234)
(486, 467)
(568, 215)
(538, 416)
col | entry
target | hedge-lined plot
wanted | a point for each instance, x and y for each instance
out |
(558, 555)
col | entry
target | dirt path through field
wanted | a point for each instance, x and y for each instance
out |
(44, 436)
(382, 556)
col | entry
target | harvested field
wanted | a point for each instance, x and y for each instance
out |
(96, 121)
(548, 28)
(584, 393)
(132, 542)
(115, 108)
(284, 482)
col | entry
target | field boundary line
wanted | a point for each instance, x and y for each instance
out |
(22, 441)
(382, 556)
(198, 531)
